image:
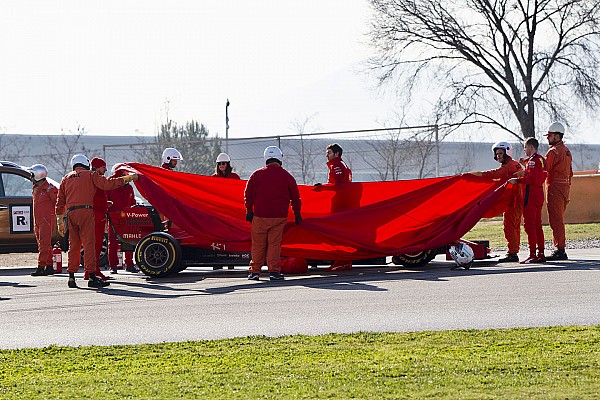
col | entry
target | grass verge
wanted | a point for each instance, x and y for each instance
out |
(537, 363)
(492, 230)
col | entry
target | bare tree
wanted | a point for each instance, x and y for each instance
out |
(492, 62)
(462, 161)
(14, 150)
(303, 150)
(392, 151)
(61, 148)
(421, 150)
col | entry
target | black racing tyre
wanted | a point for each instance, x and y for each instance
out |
(180, 267)
(158, 254)
(103, 260)
(64, 242)
(415, 260)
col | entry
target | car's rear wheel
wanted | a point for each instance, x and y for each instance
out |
(415, 260)
(158, 254)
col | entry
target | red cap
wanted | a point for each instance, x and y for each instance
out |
(97, 162)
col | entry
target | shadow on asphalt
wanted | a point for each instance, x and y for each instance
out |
(362, 278)
(16, 284)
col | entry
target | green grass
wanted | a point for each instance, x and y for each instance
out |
(537, 363)
(491, 229)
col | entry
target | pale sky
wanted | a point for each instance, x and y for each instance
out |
(115, 67)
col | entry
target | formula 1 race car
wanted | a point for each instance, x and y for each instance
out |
(200, 220)
(158, 253)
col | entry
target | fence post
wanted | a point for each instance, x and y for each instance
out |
(437, 152)
(227, 127)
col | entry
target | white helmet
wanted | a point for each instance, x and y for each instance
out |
(39, 172)
(462, 254)
(113, 169)
(223, 157)
(273, 152)
(80, 159)
(170, 154)
(507, 147)
(556, 127)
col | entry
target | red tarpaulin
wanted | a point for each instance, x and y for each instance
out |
(344, 222)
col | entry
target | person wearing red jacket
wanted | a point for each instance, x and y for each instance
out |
(120, 199)
(170, 157)
(533, 199)
(560, 173)
(76, 198)
(512, 216)
(339, 173)
(100, 208)
(267, 198)
(44, 199)
(223, 168)
(338, 169)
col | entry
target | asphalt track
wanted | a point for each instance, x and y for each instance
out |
(204, 304)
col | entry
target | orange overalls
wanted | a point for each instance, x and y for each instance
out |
(512, 217)
(44, 200)
(560, 172)
(533, 200)
(76, 197)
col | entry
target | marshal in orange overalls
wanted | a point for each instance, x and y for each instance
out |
(513, 215)
(44, 199)
(560, 171)
(76, 196)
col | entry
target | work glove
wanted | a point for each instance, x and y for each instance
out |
(60, 222)
(130, 177)
(298, 219)
(513, 181)
(249, 216)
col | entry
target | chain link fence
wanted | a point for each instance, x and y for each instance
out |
(373, 155)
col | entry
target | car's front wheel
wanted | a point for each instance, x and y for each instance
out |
(415, 260)
(158, 254)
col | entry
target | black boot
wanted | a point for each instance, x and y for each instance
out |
(509, 257)
(38, 272)
(49, 270)
(72, 284)
(97, 283)
(558, 255)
